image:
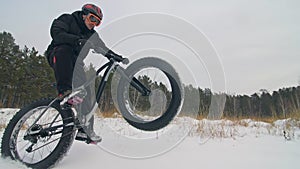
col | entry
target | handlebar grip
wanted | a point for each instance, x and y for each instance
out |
(125, 61)
(110, 54)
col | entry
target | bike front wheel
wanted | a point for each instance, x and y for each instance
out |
(156, 108)
(38, 135)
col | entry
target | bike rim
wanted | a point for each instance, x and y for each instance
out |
(148, 108)
(44, 146)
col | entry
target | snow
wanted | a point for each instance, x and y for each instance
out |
(248, 152)
(186, 143)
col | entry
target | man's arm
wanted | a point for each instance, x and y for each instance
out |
(60, 31)
(99, 45)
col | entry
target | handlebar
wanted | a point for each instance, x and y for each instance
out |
(110, 55)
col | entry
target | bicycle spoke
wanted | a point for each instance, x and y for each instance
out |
(52, 141)
(25, 145)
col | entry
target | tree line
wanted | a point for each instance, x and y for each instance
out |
(25, 76)
(284, 103)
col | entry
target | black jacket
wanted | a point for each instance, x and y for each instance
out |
(67, 29)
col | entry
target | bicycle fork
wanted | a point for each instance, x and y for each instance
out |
(135, 83)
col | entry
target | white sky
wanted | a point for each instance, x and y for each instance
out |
(257, 40)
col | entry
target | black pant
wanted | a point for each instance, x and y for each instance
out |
(64, 60)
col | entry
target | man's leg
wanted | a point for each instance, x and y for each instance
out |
(63, 65)
(85, 114)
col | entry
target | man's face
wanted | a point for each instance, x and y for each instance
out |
(91, 21)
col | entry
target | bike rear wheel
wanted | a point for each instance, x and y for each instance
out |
(157, 109)
(39, 141)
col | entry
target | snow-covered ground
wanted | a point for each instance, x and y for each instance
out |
(186, 143)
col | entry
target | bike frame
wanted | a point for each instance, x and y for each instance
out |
(109, 67)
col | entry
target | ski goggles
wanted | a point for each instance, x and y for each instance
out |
(93, 19)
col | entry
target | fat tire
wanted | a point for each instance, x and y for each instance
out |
(174, 104)
(63, 145)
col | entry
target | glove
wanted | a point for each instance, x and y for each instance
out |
(110, 54)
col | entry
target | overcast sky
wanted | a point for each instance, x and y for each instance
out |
(257, 40)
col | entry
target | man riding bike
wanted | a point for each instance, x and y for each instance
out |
(70, 33)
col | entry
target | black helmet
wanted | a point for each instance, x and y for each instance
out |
(90, 8)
